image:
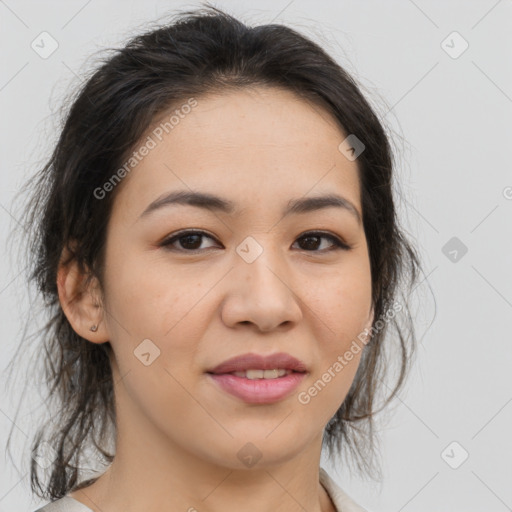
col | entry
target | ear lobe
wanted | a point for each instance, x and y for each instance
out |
(81, 302)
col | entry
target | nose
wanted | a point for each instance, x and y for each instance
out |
(261, 293)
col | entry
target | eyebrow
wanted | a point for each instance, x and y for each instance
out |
(215, 203)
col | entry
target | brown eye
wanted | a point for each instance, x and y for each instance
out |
(189, 241)
(312, 241)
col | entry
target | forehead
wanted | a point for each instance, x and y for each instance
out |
(261, 145)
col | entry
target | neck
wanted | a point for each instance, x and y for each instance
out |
(151, 472)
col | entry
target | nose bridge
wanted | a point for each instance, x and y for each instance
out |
(262, 266)
(263, 293)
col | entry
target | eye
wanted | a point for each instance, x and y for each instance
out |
(190, 241)
(313, 237)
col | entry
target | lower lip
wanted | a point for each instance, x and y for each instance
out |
(258, 391)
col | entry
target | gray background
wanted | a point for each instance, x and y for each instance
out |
(452, 120)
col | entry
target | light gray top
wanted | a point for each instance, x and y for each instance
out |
(65, 504)
(342, 501)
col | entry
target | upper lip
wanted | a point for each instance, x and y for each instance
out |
(259, 362)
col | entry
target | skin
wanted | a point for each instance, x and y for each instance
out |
(178, 433)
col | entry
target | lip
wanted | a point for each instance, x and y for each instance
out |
(258, 391)
(253, 361)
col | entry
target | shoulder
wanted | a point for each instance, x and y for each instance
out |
(342, 501)
(65, 504)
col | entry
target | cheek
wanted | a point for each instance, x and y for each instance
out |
(342, 304)
(168, 308)
(144, 297)
(342, 300)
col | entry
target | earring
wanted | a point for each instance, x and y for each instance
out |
(94, 328)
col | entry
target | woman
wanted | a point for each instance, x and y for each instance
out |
(216, 238)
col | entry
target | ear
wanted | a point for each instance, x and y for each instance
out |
(81, 301)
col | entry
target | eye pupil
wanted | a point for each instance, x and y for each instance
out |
(309, 245)
(187, 239)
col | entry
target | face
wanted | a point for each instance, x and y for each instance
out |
(247, 280)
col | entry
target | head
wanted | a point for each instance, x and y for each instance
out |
(263, 119)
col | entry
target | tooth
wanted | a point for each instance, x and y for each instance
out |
(254, 374)
(262, 374)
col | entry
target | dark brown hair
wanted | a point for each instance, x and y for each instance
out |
(200, 52)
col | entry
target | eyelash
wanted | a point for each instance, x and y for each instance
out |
(338, 244)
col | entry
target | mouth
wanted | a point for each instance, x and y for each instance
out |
(258, 374)
(259, 379)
